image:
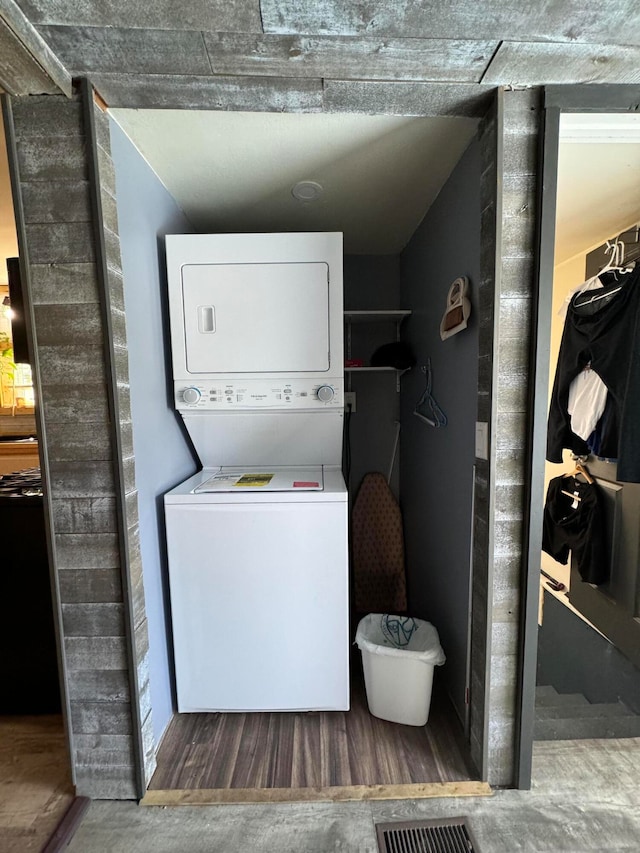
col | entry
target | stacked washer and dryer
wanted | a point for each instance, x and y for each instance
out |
(257, 540)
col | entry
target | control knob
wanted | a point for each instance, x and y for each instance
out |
(325, 393)
(191, 395)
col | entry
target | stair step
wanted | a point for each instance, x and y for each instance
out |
(546, 698)
(545, 690)
(590, 727)
(583, 711)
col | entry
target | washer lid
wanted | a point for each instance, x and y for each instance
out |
(264, 479)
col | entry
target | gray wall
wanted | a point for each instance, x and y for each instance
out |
(372, 282)
(146, 212)
(437, 464)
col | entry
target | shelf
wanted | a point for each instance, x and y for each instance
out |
(375, 316)
(392, 315)
(398, 372)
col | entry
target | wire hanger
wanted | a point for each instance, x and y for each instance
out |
(426, 408)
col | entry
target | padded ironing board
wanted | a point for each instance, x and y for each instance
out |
(377, 549)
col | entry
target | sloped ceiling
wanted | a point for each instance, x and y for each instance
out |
(235, 171)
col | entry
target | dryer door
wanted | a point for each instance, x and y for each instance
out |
(256, 318)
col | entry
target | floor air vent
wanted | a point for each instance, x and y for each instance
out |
(427, 836)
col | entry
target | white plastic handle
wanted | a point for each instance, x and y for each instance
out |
(206, 319)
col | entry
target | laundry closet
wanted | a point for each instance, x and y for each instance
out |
(412, 422)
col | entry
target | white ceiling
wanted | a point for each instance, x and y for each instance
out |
(234, 171)
(598, 181)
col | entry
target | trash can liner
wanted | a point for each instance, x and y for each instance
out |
(398, 629)
(375, 635)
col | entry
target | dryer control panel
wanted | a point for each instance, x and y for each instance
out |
(217, 395)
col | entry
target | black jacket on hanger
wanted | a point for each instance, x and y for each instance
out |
(604, 332)
(577, 525)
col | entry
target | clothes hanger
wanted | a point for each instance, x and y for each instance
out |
(580, 468)
(596, 298)
(614, 265)
(612, 247)
(426, 408)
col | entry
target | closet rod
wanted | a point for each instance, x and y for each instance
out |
(631, 248)
(631, 252)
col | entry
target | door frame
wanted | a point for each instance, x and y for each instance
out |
(556, 100)
(491, 118)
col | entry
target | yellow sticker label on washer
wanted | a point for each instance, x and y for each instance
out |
(255, 480)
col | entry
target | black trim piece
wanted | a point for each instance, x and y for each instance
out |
(25, 275)
(590, 98)
(86, 91)
(536, 442)
(68, 826)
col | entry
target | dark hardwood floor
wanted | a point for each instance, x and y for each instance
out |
(302, 750)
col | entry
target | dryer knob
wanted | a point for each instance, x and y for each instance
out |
(325, 393)
(191, 395)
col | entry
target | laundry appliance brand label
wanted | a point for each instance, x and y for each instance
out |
(254, 480)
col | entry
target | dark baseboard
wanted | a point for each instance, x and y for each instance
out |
(68, 826)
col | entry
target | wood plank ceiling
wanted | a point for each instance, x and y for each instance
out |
(161, 53)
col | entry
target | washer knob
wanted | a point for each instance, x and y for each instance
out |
(325, 393)
(191, 395)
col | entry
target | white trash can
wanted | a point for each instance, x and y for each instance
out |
(398, 657)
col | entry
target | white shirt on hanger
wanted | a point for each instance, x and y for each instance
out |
(587, 399)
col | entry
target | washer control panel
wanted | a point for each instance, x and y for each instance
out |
(218, 395)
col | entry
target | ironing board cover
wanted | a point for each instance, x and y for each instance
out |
(378, 549)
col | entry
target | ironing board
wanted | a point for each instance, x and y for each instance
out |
(377, 549)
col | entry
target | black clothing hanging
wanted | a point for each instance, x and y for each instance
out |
(575, 522)
(602, 328)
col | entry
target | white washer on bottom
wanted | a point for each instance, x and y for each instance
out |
(258, 570)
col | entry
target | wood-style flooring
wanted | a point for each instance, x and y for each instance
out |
(309, 750)
(35, 781)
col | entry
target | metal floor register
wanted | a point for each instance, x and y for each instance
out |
(426, 836)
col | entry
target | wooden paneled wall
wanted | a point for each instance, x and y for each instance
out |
(88, 457)
(491, 43)
(509, 138)
(522, 113)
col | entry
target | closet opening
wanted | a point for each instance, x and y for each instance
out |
(406, 194)
(35, 769)
(584, 674)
